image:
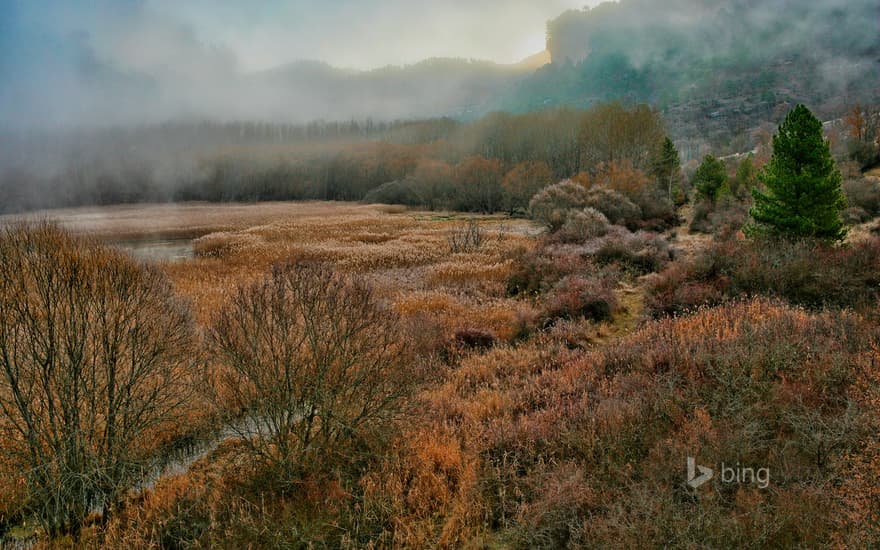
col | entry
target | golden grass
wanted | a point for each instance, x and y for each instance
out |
(406, 254)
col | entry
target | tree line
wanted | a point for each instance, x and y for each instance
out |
(483, 165)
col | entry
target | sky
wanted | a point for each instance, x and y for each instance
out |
(65, 62)
(260, 34)
(370, 33)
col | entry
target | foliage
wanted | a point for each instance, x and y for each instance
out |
(864, 135)
(432, 183)
(803, 197)
(537, 271)
(530, 417)
(494, 163)
(475, 338)
(723, 218)
(612, 132)
(478, 185)
(638, 252)
(525, 447)
(746, 177)
(394, 192)
(714, 70)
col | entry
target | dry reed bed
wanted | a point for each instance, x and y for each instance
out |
(407, 255)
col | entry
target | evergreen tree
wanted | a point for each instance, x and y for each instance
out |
(710, 178)
(803, 197)
(666, 167)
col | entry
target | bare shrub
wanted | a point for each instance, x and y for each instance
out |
(582, 225)
(723, 217)
(94, 356)
(617, 208)
(855, 215)
(551, 205)
(805, 273)
(314, 362)
(578, 297)
(657, 210)
(466, 238)
(863, 193)
(638, 252)
(537, 271)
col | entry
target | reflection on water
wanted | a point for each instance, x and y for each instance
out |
(157, 249)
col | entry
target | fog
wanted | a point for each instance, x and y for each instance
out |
(104, 101)
(102, 62)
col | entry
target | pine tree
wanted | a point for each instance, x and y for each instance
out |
(666, 167)
(803, 197)
(710, 178)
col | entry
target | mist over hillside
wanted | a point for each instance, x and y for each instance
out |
(714, 68)
(138, 107)
(733, 60)
(104, 63)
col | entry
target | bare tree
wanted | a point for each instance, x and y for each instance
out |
(94, 353)
(313, 360)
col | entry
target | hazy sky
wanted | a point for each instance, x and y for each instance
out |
(258, 34)
(65, 61)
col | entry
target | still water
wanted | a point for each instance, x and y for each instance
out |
(157, 249)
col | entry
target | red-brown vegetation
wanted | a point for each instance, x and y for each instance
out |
(542, 410)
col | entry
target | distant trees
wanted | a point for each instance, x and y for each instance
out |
(549, 136)
(432, 183)
(478, 184)
(95, 355)
(313, 360)
(495, 163)
(523, 181)
(803, 196)
(611, 132)
(864, 135)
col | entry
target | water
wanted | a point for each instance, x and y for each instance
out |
(155, 250)
(180, 461)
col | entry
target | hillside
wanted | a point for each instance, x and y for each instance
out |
(714, 68)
